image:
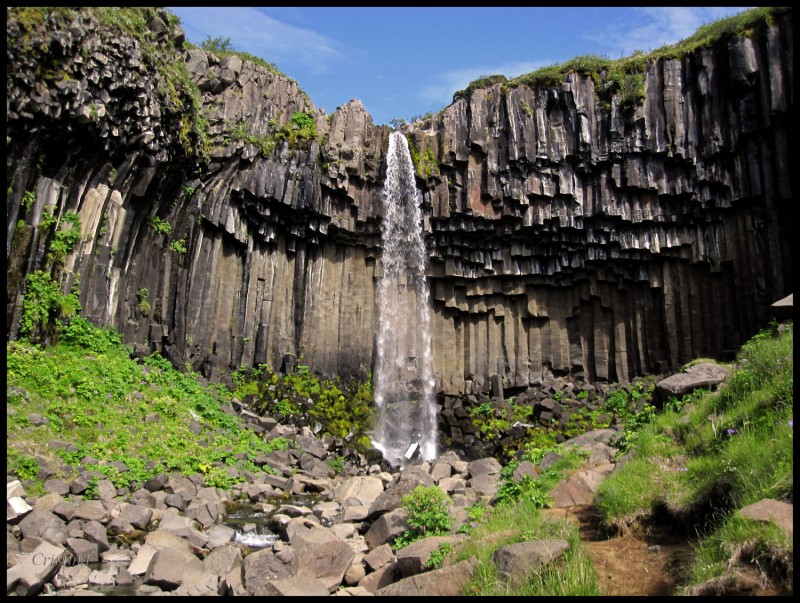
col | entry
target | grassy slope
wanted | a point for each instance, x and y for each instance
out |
(111, 408)
(713, 453)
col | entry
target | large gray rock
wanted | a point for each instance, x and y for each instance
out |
(412, 559)
(300, 586)
(33, 570)
(359, 491)
(223, 559)
(517, 561)
(783, 309)
(83, 550)
(387, 527)
(262, 566)
(319, 553)
(769, 510)
(704, 374)
(45, 525)
(580, 487)
(95, 532)
(446, 582)
(93, 510)
(392, 498)
(381, 577)
(132, 517)
(171, 567)
(379, 556)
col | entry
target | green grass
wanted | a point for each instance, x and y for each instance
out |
(517, 517)
(701, 462)
(572, 574)
(745, 541)
(222, 48)
(625, 78)
(113, 408)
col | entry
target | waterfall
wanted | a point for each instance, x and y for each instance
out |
(403, 377)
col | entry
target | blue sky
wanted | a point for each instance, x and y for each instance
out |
(406, 61)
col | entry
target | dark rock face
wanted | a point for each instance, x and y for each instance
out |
(565, 237)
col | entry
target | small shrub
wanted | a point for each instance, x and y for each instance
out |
(336, 464)
(80, 332)
(43, 304)
(178, 246)
(162, 227)
(65, 240)
(428, 511)
(28, 199)
(437, 557)
(25, 467)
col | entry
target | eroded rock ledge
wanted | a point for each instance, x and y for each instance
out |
(564, 237)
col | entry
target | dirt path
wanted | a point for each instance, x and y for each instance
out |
(630, 565)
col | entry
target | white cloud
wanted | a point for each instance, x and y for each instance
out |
(651, 28)
(441, 91)
(254, 32)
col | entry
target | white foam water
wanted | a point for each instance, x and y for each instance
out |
(403, 381)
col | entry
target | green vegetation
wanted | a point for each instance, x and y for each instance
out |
(712, 453)
(28, 199)
(424, 160)
(536, 492)
(144, 304)
(698, 461)
(428, 513)
(67, 234)
(572, 574)
(337, 464)
(115, 409)
(626, 405)
(178, 246)
(298, 132)
(44, 306)
(436, 560)
(341, 408)
(302, 128)
(483, 81)
(162, 227)
(222, 47)
(625, 78)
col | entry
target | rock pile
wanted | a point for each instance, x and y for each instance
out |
(333, 532)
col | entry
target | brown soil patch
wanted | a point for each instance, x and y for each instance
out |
(642, 563)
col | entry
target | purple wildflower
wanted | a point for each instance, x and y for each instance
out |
(731, 431)
(682, 469)
(791, 422)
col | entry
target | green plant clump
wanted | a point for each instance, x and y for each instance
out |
(341, 408)
(428, 513)
(162, 227)
(424, 161)
(44, 305)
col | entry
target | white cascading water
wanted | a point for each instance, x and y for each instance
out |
(403, 378)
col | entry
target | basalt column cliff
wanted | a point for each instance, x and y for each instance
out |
(225, 221)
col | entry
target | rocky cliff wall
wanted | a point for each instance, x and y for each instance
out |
(565, 236)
